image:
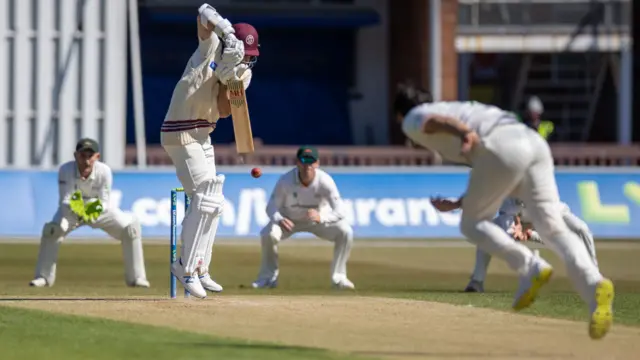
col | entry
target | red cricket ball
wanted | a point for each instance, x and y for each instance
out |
(256, 172)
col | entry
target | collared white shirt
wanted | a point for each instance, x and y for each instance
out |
(291, 199)
(96, 186)
(479, 117)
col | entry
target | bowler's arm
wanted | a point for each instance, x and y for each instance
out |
(434, 124)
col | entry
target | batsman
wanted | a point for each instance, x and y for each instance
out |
(85, 186)
(225, 53)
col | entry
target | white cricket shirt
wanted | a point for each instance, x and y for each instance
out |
(193, 111)
(479, 117)
(291, 199)
(96, 186)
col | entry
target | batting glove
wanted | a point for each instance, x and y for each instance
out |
(233, 52)
(228, 72)
(233, 48)
(209, 15)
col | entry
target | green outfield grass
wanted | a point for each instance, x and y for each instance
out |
(421, 273)
(32, 334)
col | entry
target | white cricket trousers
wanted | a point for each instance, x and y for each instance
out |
(515, 160)
(194, 164)
(506, 222)
(340, 233)
(119, 225)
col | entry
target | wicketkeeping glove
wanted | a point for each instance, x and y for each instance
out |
(93, 211)
(76, 203)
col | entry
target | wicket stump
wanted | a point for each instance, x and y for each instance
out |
(174, 237)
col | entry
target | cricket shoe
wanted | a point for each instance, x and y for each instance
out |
(141, 283)
(208, 283)
(602, 315)
(265, 284)
(191, 282)
(475, 286)
(538, 275)
(342, 284)
(38, 282)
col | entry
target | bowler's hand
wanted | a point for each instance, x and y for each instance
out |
(445, 205)
(313, 215)
(286, 224)
(469, 141)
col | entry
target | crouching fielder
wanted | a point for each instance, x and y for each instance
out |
(84, 187)
(512, 217)
(306, 199)
(225, 53)
(573, 222)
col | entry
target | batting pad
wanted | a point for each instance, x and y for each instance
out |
(201, 223)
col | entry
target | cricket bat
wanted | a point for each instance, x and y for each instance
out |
(240, 117)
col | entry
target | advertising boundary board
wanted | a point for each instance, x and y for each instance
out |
(381, 202)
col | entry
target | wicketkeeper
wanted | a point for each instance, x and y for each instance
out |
(84, 187)
(306, 199)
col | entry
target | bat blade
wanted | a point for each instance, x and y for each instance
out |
(240, 116)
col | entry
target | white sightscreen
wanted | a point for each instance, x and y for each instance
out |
(63, 68)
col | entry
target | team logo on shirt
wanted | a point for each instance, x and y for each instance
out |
(213, 65)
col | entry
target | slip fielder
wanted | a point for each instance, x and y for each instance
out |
(512, 218)
(507, 159)
(225, 52)
(306, 199)
(84, 188)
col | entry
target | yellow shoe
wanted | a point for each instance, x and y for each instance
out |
(530, 286)
(602, 315)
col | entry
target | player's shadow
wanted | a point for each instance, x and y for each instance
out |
(456, 355)
(427, 290)
(80, 299)
(418, 354)
(252, 346)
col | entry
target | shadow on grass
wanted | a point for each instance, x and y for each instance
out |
(456, 355)
(439, 355)
(81, 299)
(256, 346)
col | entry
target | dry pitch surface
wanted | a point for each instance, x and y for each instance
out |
(380, 327)
(376, 326)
